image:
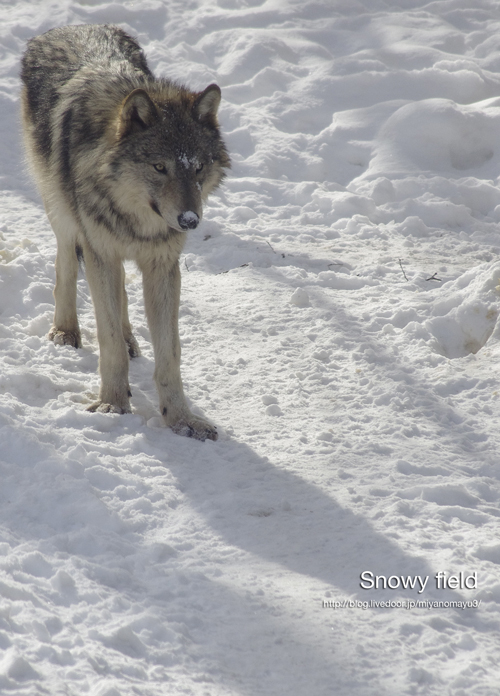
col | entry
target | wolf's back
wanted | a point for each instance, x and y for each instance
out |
(54, 58)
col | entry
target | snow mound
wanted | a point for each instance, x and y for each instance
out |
(438, 135)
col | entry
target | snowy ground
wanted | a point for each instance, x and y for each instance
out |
(339, 324)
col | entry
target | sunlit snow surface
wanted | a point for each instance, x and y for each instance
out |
(339, 325)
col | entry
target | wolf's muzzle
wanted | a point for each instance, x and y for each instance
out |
(188, 220)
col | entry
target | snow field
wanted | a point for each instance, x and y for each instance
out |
(339, 325)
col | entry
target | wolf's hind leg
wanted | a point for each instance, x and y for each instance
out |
(65, 329)
(133, 347)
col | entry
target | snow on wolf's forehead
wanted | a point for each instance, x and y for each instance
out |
(188, 161)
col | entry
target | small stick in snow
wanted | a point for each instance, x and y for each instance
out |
(243, 265)
(401, 265)
(282, 255)
(433, 277)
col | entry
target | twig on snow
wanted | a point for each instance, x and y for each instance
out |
(401, 265)
(243, 265)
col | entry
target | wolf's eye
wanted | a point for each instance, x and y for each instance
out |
(199, 168)
(160, 168)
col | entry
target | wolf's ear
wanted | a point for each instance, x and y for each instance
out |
(137, 114)
(206, 105)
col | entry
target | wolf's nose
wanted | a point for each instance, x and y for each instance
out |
(188, 220)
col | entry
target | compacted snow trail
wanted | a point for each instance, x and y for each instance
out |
(339, 324)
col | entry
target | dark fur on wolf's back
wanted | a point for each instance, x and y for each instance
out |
(124, 162)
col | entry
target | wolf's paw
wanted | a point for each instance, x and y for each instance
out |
(102, 407)
(133, 347)
(195, 427)
(65, 338)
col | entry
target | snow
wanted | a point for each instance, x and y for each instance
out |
(339, 324)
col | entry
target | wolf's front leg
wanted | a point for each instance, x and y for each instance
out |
(162, 286)
(104, 276)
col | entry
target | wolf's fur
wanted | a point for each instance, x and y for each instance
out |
(123, 161)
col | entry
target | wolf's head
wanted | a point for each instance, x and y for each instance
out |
(168, 154)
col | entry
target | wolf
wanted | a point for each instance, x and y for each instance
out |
(123, 161)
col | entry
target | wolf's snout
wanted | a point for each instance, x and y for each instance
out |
(188, 220)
